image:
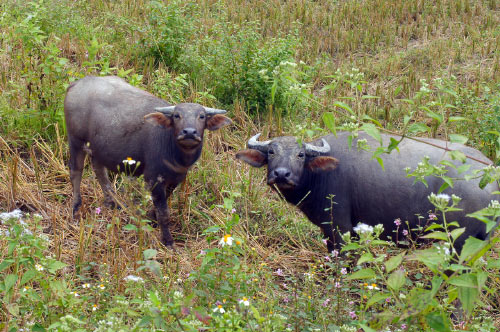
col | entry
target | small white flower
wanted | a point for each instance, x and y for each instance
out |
(226, 240)
(219, 309)
(244, 301)
(38, 267)
(101, 286)
(86, 285)
(363, 228)
(75, 294)
(178, 295)
(15, 214)
(129, 161)
(133, 278)
(94, 307)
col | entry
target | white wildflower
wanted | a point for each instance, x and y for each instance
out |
(363, 228)
(129, 161)
(15, 214)
(226, 240)
(133, 278)
(219, 309)
(244, 301)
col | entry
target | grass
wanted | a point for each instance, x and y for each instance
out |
(342, 51)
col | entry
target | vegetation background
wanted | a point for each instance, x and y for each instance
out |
(427, 68)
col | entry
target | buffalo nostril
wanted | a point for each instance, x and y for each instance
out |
(189, 131)
(282, 172)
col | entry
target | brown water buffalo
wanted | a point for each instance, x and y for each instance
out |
(116, 123)
(309, 175)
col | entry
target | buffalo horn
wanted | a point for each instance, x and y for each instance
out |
(213, 111)
(165, 110)
(313, 150)
(256, 145)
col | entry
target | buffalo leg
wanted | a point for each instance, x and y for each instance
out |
(159, 195)
(102, 177)
(76, 163)
(333, 239)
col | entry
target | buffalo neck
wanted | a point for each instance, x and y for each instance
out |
(169, 151)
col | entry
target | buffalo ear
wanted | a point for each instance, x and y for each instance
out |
(158, 119)
(252, 157)
(322, 163)
(217, 121)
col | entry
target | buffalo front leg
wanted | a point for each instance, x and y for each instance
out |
(332, 238)
(76, 163)
(160, 194)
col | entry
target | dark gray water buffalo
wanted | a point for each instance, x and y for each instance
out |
(115, 121)
(362, 191)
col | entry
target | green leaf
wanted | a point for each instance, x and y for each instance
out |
(27, 276)
(468, 297)
(362, 274)
(457, 232)
(493, 264)
(470, 248)
(366, 257)
(150, 253)
(377, 297)
(130, 227)
(10, 280)
(55, 265)
(418, 128)
(457, 155)
(344, 106)
(438, 322)
(380, 162)
(443, 187)
(393, 262)
(485, 180)
(435, 116)
(350, 246)
(396, 280)
(456, 138)
(393, 144)
(457, 118)
(463, 168)
(464, 280)
(367, 328)
(436, 235)
(329, 121)
(5, 264)
(372, 130)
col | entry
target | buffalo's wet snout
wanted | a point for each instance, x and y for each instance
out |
(190, 133)
(281, 174)
(282, 177)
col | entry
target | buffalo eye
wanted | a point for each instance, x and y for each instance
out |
(202, 116)
(177, 116)
(270, 151)
(301, 154)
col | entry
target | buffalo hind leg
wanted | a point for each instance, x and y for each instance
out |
(160, 193)
(76, 163)
(102, 177)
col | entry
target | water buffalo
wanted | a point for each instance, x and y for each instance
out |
(309, 175)
(116, 123)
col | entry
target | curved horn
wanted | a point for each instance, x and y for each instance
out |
(213, 111)
(313, 150)
(256, 145)
(166, 110)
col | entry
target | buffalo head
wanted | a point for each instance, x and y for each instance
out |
(188, 122)
(286, 159)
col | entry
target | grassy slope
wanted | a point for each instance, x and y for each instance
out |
(395, 43)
